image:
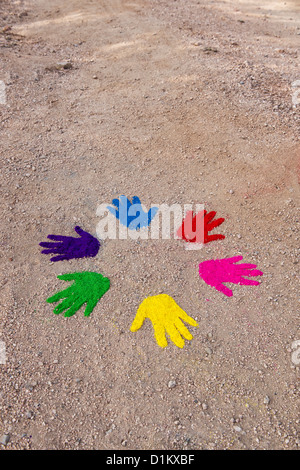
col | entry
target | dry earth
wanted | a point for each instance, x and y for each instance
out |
(173, 101)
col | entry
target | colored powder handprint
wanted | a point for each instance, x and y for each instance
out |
(132, 214)
(195, 228)
(88, 287)
(166, 317)
(67, 248)
(217, 271)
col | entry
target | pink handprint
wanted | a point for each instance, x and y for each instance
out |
(217, 271)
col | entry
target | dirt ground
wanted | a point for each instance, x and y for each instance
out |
(175, 102)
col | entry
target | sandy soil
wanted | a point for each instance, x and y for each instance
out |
(173, 101)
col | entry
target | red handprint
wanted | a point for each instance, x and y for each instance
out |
(195, 228)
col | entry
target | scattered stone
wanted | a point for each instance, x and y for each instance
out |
(172, 384)
(266, 400)
(204, 406)
(30, 386)
(5, 439)
(124, 443)
(29, 414)
(208, 50)
(65, 65)
(6, 29)
(237, 428)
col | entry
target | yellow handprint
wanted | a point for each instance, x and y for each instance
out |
(166, 317)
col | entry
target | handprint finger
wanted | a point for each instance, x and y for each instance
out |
(58, 238)
(136, 200)
(75, 307)
(116, 202)
(234, 259)
(60, 295)
(60, 249)
(90, 307)
(160, 335)
(246, 266)
(49, 251)
(208, 217)
(185, 317)
(61, 258)
(248, 282)
(69, 276)
(211, 238)
(79, 230)
(209, 222)
(64, 305)
(183, 329)
(252, 272)
(139, 318)
(215, 223)
(50, 245)
(224, 289)
(175, 336)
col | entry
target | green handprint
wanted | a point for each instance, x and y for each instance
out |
(87, 288)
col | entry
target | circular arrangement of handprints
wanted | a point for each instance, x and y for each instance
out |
(167, 318)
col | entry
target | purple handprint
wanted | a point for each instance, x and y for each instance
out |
(217, 271)
(70, 247)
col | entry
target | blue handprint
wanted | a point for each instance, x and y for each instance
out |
(132, 214)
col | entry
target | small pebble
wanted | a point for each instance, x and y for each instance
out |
(64, 65)
(172, 384)
(237, 428)
(5, 439)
